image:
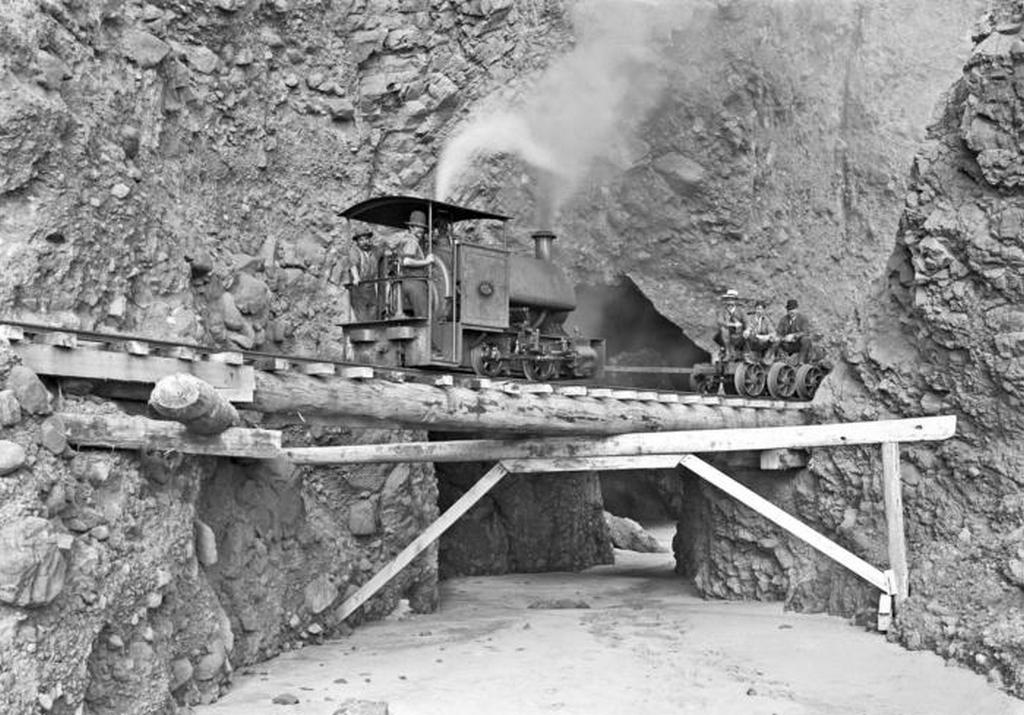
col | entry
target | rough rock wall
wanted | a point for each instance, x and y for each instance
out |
(943, 335)
(939, 335)
(526, 523)
(774, 159)
(129, 583)
(175, 167)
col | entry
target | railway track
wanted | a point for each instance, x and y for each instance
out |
(116, 357)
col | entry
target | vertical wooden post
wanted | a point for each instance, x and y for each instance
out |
(421, 542)
(892, 488)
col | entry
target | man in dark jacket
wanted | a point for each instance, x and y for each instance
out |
(794, 332)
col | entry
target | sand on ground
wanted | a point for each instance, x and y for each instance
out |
(646, 644)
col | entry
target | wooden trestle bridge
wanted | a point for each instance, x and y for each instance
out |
(538, 428)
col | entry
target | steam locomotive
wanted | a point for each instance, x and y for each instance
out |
(489, 310)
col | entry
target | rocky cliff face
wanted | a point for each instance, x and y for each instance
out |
(943, 336)
(176, 168)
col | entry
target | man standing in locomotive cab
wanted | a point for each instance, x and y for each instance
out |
(361, 272)
(732, 322)
(795, 332)
(414, 262)
(760, 334)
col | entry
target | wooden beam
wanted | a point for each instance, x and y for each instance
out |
(457, 408)
(235, 382)
(892, 488)
(581, 464)
(123, 432)
(194, 403)
(421, 542)
(727, 440)
(794, 526)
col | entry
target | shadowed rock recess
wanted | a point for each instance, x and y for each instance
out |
(175, 168)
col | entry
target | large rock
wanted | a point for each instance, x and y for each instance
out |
(10, 410)
(30, 124)
(143, 48)
(32, 395)
(629, 535)
(32, 565)
(12, 456)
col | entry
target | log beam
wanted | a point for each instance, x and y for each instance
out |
(380, 403)
(194, 403)
(123, 432)
(700, 441)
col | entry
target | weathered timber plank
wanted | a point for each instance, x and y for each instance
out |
(382, 403)
(123, 432)
(892, 489)
(715, 440)
(235, 383)
(580, 464)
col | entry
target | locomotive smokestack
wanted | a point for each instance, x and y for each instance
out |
(542, 244)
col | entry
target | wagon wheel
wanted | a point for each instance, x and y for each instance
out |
(539, 370)
(781, 380)
(485, 360)
(808, 378)
(750, 379)
(702, 379)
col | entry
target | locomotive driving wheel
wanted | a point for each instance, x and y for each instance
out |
(781, 380)
(540, 370)
(808, 378)
(485, 359)
(750, 379)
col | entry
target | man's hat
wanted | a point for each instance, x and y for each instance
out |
(730, 294)
(417, 218)
(791, 304)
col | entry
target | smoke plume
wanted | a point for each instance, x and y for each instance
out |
(583, 105)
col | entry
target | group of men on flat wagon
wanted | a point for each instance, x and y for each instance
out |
(758, 334)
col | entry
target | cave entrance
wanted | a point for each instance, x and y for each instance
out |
(636, 335)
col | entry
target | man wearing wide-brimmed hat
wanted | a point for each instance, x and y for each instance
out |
(411, 251)
(732, 321)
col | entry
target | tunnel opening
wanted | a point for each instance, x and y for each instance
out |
(636, 334)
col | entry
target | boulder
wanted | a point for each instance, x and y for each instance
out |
(32, 565)
(10, 409)
(683, 174)
(320, 593)
(206, 544)
(32, 395)
(52, 435)
(629, 535)
(12, 456)
(143, 48)
(362, 518)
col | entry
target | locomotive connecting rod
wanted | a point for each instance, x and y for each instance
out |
(409, 405)
(699, 441)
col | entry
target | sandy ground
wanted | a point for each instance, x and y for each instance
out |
(647, 644)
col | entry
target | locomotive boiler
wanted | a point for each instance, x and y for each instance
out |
(488, 310)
